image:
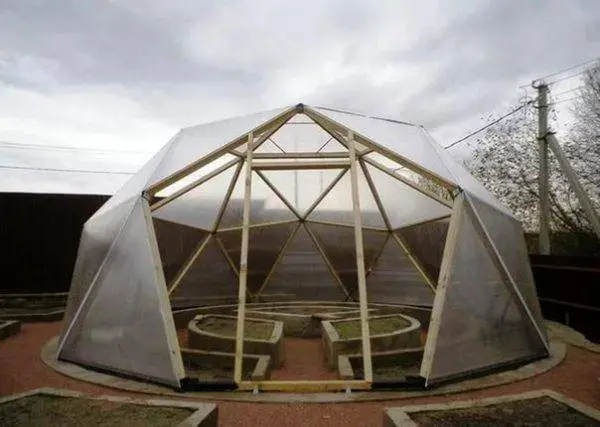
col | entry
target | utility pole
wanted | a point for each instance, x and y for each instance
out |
(543, 177)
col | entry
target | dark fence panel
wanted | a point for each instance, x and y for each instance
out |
(569, 291)
(39, 236)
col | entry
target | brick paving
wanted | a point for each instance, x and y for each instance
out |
(21, 369)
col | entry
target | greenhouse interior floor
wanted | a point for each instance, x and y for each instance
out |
(576, 376)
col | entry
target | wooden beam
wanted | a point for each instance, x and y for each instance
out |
(193, 185)
(415, 261)
(376, 195)
(277, 260)
(324, 193)
(444, 280)
(268, 126)
(302, 386)
(360, 262)
(188, 264)
(225, 202)
(241, 314)
(426, 221)
(257, 225)
(408, 182)
(325, 121)
(278, 193)
(326, 259)
(302, 155)
(339, 224)
(333, 164)
(226, 255)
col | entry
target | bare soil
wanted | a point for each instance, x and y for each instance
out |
(542, 412)
(44, 410)
(228, 327)
(382, 325)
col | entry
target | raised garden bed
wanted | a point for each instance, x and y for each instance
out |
(393, 365)
(215, 365)
(217, 332)
(400, 332)
(544, 408)
(50, 407)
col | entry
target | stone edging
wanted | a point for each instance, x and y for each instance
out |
(204, 415)
(571, 336)
(400, 416)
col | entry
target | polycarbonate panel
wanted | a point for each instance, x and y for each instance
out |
(393, 278)
(210, 280)
(405, 139)
(301, 188)
(199, 207)
(193, 143)
(264, 246)
(234, 209)
(176, 243)
(482, 324)
(302, 274)
(463, 178)
(338, 244)
(97, 236)
(426, 242)
(304, 135)
(404, 205)
(508, 238)
(126, 324)
(267, 206)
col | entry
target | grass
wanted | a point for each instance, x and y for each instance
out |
(44, 410)
(227, 327)
(543, 412)
(377, 326)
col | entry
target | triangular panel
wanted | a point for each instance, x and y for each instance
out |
(302, 273)
(176, 243)
(126, 324)
(482, 324)
(507, 235)
(266, 205)
(210, 280)
(404, 205)
(393, 278)
(301, 134)
(199, 207)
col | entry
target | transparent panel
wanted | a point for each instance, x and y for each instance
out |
(269, 147)
(199, 207)
(426, 242)
(393, 278)
(195, 142)
(301, 188)
(210, 280)
(482, 324)
(176, 243)
(404, 205)
(97, 237)
(405, 139)
(234, 210)
(507, 235)
(301, 134)
(126, 324)
(303, 274)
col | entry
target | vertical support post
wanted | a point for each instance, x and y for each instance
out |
(576, 186)
(543, 178)
(241, 314)
(360, 262)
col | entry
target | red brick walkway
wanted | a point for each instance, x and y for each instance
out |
(22, 369)
(304, 360)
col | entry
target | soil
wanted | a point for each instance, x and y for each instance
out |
(377, 326)
(44, 410)
(543, 412)
(227, 327)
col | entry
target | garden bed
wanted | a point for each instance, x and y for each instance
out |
(215, 365)
(393, 365)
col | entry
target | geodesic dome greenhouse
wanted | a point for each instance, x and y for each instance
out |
(303, 204)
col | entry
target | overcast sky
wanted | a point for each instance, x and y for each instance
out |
(126, 74)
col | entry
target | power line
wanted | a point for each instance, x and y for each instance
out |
(66, 148)
(573, 67)
(488, 125)
(65, 170)
(567, 91)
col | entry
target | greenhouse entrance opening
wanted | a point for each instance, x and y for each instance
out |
(304, 254)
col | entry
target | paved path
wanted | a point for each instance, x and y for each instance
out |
(304, 360)
(21, 369)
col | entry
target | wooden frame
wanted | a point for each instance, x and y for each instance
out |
(301, 165)
(226, 255)
(243, 278)
(415, 261)
(375, 193)
(301, 155)
(304, 386)
(258, 225)
(188, 263)
(440, 292)
(341, 224)
(228, 193)
(324, 193)
(360, 264)
(278, 194)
